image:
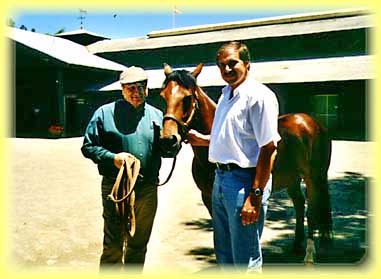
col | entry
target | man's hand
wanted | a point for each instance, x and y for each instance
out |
(252, 206)
(251, 209)
(197, 139)
(119, 158)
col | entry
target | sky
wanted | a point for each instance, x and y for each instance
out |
(118, 25)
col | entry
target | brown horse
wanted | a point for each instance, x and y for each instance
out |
(303, 153)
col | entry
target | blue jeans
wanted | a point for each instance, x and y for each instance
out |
(236, 245)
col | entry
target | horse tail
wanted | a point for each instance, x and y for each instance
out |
(322, 151)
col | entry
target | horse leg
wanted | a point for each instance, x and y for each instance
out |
(207, 200)
(297, 197)
(325, 215)
(204, 182)
(318, 217)
(321, 160)
(312, 217)
(206, 195)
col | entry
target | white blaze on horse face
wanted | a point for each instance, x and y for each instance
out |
(170, 126)
(174, 101)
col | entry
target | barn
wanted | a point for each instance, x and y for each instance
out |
(320, 63)
(51, 76)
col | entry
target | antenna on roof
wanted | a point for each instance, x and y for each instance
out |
(82, 16)
(175, 12)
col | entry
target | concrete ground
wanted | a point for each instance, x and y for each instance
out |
(55, 213)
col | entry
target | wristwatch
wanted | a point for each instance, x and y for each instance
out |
(256, 191)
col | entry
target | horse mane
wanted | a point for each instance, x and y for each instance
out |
(182, 77)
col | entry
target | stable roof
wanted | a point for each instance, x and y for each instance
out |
(60, 49)
(306, 23)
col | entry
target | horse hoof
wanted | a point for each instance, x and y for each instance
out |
(310, 257)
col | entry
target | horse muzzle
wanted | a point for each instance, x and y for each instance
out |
(170, 146)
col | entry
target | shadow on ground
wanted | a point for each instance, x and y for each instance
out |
(350, 215)
(202, 253)
(350, 225)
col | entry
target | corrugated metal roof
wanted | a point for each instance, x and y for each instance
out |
(61, 49)
(259, 22)
(310, 70)
(286, 26)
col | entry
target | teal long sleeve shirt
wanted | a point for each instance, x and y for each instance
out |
(119, 127)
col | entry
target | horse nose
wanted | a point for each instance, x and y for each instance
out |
(169, 140)
(170, 146)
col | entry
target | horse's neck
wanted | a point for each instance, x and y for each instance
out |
(207, 108)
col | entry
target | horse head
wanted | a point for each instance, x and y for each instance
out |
(179, 93)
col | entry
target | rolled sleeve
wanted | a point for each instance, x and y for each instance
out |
(265, 120)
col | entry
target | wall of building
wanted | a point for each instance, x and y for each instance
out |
(307, 46)
(347, 115)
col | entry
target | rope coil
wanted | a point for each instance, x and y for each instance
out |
(124, 186)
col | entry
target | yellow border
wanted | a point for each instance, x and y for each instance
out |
(370, 269)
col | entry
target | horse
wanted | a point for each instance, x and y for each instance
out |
(303, 153)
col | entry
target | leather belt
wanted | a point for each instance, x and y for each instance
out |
(227, 167)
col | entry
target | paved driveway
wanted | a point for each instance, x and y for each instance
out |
(55, 211)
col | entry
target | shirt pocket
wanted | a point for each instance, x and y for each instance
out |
(242, 124)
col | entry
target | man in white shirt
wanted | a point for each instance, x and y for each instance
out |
(242, 144)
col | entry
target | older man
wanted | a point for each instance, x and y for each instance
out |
(116, 131)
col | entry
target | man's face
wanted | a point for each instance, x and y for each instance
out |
(135, 93)
(233, 69)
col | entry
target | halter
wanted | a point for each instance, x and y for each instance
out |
(183, 125)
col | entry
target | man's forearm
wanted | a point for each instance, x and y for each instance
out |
(264, 165)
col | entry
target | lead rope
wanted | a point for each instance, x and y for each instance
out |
(124, 206)
(170, 173)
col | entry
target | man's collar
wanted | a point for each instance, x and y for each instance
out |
(238, 88)
(130, 106)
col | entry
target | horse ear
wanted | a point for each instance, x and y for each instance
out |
(197, 71)
(167, 69)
